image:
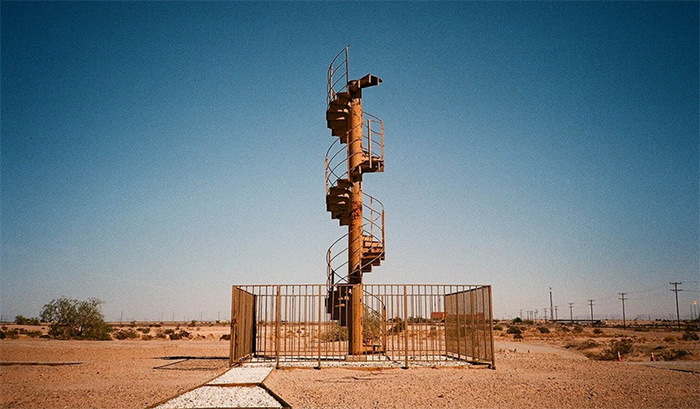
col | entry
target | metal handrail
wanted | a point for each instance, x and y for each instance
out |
(332, 68)
(369, 147)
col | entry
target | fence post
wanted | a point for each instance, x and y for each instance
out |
(405, 321)
(493, 354)
(458, 330)
(320, 301)
(278, 317)
(232, 339)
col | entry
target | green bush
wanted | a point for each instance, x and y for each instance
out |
(517, 320)
(73, 319)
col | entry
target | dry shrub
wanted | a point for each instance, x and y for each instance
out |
(225, 337)
(669, 339)
(543, 330)
(624, 346)
(577, 329)
(674, 354)
(514, 330)
(587, 344)
(690, 336)
(125, 334)
(9, 334)
(597, 331)
(31, 334)
(335, 333)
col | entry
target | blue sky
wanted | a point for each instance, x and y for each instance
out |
(154, 154)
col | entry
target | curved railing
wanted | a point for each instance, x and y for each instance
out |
(373, 227)
(338, 75)
(337, 162)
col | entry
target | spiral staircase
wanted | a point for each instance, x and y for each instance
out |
(340, 177)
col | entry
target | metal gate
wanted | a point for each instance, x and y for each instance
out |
(242, 324)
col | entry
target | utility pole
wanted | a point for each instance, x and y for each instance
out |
(590, 302)
(678, 313)
(545, 313)
(121, 318)
(521, 314)
(571, 311)
(556, 313)
(551, 305)
(535, 315)
(622, 297)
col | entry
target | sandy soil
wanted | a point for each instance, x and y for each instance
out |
(521, 380)
(112, 374)
(538, 372)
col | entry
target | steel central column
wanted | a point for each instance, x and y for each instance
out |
(355, 239)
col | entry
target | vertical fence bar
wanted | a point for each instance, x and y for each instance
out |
(232, 339)
(278, 317)
(405, 321)
(493, 353)
(320, 301)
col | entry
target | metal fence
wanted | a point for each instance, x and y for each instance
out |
(409, 324)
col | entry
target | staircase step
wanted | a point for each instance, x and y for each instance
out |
(341, 98)
(337, 115)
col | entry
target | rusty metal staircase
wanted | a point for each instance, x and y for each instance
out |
(339, 183)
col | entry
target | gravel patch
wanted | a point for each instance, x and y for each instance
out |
(223, 397)
(242, 375)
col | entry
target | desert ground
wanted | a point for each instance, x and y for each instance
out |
(561, 368)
